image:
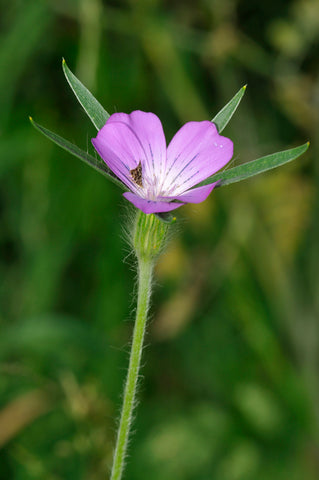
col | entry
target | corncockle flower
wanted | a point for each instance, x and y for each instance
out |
(161, 178)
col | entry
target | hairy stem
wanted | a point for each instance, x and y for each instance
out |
(145, 269)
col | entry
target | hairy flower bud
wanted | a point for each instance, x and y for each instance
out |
(149, 235)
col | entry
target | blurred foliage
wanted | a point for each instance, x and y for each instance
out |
(231, 384)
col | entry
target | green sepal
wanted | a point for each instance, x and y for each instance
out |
(97, 114)
(225, 114)
(93, 162)
(246, 170)
(166, 217)
(149, 235)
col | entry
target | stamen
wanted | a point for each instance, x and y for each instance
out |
(136, 174)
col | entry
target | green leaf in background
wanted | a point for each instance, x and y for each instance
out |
(93, 162)
(225, 114)
(255, 167)
(92, 107)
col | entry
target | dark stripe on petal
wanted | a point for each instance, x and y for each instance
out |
(187, 165)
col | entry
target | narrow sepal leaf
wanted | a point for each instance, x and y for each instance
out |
(91, 106)
(225, 114)
(246, 170)
(93, 162)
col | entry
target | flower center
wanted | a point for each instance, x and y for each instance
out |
(136, 174)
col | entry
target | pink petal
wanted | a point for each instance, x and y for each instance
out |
(196, 152)
(120, 149)
(196, 195)
(127, 139)
(149, 206)
(148, 129)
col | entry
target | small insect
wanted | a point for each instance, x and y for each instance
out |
(136, 174)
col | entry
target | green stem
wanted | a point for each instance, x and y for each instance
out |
(145, 269)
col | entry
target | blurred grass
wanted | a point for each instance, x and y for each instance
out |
(230, 387)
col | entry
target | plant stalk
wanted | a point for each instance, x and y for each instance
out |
(145, 270)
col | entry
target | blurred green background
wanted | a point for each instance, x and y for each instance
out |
(231, 369)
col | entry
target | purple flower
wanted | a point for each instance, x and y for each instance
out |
(161, 178)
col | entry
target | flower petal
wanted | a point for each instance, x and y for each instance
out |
(196, 195)
(120, 149)
(196, 152)
(149, 206)
(148, 129)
